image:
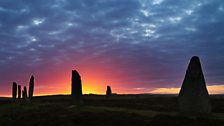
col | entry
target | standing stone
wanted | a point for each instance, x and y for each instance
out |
(14, 90)
(108, 92)
(19, 91)
(24, 93)
(31, 87)
(76, 88)
(193, 96)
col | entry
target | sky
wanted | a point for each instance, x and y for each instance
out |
(135, 46)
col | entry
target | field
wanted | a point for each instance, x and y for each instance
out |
(99, 110)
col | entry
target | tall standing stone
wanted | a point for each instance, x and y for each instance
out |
(76, 88)
(108, 92)
(24, 93)
(14, 90)
(31, 87)
(19, 91)
(193, 96)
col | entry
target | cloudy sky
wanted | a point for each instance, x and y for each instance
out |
(136, 46)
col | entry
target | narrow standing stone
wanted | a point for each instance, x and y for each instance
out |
(76, 88)
(14, 90)
(31, 87)
(19, 91)
(193, 96)
(24, 93)
(108, 92)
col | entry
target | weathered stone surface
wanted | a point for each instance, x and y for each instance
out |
(31, 87)
(14, 90)
(19, 91)
(108, 92)
(76, 88)
(193, 96)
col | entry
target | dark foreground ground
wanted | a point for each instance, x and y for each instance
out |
(117, 110)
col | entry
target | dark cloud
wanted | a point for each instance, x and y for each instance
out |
(150, 42)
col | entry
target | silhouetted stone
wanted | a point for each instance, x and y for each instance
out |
(31, 87)
(24, 93)
(76, 88)
(108, 92)
(14, 90)
(19, 91)
(193, 96)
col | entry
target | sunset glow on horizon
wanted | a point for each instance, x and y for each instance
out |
(135, 46)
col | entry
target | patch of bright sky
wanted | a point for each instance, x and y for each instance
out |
(38, 21)
(157, 2)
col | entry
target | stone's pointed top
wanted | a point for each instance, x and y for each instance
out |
(195, 58)
(194, 68)
(32, 78)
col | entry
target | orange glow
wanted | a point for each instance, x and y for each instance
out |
(94, 80)
(166, 91)
(212, 89)
(216, 89)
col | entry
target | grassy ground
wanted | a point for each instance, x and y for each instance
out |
(119, 110)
